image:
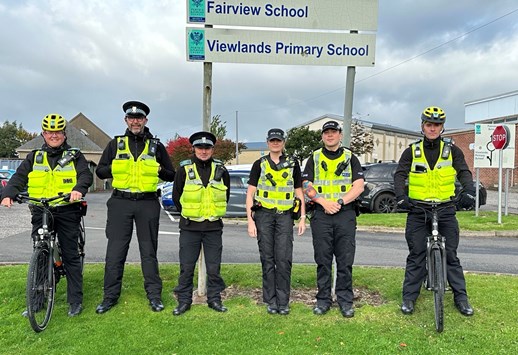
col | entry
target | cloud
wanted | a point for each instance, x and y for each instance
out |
(71, 56)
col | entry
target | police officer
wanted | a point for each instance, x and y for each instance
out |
(274, 183)
(332, 180)
(431, 166)
(53, 169)
(201, 191)
(135, 161)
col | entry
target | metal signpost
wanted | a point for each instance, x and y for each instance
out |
(485, 155)
(500, 140)
(330, 37)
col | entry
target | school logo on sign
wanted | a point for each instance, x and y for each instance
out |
(196, 45)
(196, 10)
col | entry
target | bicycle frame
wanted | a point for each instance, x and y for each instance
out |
(435, 241)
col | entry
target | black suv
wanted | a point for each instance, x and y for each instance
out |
(379, 196)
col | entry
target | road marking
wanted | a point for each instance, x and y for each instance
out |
(159, 232)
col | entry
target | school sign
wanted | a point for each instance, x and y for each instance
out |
(308, 47)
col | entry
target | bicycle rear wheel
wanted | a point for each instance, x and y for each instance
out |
(40, 288)
(438, 289)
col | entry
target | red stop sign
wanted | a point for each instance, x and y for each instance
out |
(500, 137)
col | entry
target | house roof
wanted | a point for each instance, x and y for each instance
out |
(373, 125)
(75, 138)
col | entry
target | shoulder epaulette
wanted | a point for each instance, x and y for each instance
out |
(186, 162)
(217, 161)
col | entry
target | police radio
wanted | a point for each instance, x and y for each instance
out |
(67, 158)
(341, 167)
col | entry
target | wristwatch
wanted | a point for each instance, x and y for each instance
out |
(340, 202)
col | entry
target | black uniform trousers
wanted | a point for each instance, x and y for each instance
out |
(119, 229)
(65, 221)
(190, 246)
(418, 226)
(275, 241)
(334, 235)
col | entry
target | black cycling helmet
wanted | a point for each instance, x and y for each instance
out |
(433, 114)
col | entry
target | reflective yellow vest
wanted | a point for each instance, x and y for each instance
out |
(326, 181)
(426, 184)
(45, 182)
(135, 176)
(200, 203)
(281, 195)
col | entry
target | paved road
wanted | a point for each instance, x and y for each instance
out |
(485, 254)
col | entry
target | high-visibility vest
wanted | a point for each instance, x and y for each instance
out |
(135, 176)
(280, 195)
(332, 178)
(45, 182)
(426, 184)
(200, 203)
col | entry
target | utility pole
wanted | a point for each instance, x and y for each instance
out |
(237, 141)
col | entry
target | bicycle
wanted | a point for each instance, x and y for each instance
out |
(46, 266)
(436, 279)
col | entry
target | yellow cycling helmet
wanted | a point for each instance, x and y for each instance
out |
(433, 114)
(53, 122)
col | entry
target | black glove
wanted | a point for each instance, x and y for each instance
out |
(467, 200)
(403, 203)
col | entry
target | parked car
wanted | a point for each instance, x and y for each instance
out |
(166, 191)
(236, 206)
(379, 197)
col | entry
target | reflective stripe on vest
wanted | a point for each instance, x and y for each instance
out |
(326, 182)
(279, 196)
(134, 176)
(200, 203)
(426, 184)
(45, 182)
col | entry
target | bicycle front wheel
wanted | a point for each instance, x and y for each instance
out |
(40, 288)
(438, 289)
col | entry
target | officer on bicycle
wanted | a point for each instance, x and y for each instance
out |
(333, 180)
(53, 169)
(431, 166)
(274, 186)
(135, 161)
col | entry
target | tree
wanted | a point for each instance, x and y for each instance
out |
(13, 136)
(225, 150)
(178, 149)
(218, 128)
(301, 141)
(362, 139)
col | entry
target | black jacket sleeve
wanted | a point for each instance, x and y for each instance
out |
(166, 171)
(18, 182)
(463, 173)
(402, 171)
(104, 169)
(84, 175)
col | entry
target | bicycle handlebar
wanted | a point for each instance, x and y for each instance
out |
(22, 197)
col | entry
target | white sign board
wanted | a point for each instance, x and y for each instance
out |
(486, 156)
(280, 47)
(359, 15)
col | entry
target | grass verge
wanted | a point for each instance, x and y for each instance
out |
(485, 221)
(131, 327)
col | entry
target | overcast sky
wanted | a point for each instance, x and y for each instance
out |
(90, 56)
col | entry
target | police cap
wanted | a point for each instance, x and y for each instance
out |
(275, 133)
(135, 109)
(331, 125)
(202, 139)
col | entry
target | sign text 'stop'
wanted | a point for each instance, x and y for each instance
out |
(361, 15)
(500, 137)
